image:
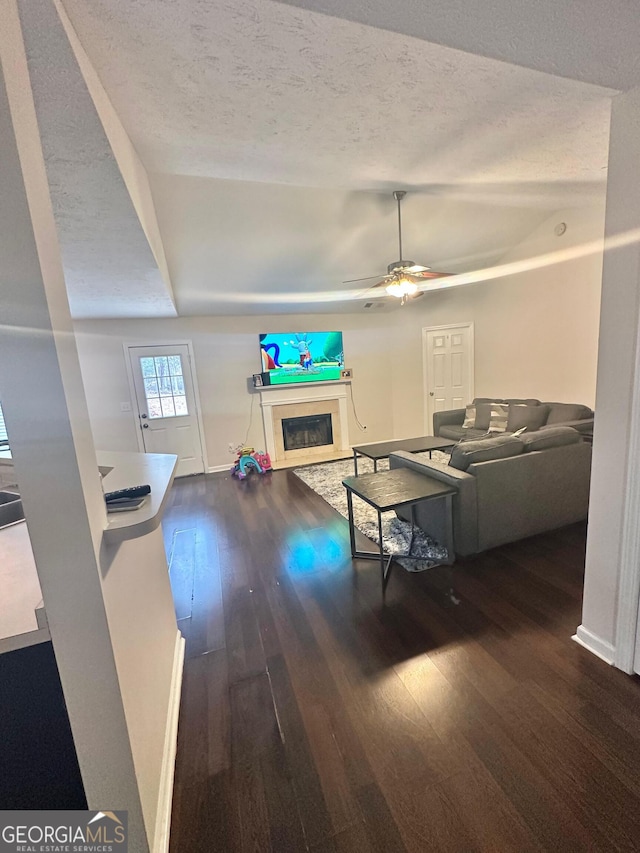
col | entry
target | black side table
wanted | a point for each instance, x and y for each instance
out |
(389, 490)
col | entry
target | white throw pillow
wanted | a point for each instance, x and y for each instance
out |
(469, 417)
(499, 417)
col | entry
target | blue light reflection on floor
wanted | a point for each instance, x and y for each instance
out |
(320, 549)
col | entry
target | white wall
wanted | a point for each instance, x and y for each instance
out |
(541, 326)
(536, 335)
(610, 605)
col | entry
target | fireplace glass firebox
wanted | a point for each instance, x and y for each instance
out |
(309, 431)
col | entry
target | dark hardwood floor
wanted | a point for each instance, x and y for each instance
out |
(315, 717)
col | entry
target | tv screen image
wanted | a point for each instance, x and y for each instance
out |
(301, 356)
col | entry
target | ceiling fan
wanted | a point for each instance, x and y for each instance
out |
(402, 276)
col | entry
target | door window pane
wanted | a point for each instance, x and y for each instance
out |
(154, 408)
(151, 387)
(168, 408)
(164, 386)
(181, 405)
(147, 367)
(164, 383)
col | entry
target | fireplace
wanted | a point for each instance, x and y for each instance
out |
(307, 431)
(309, 406)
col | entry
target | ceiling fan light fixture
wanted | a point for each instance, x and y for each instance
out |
(401, 288)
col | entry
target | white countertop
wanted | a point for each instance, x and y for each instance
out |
(137, 469)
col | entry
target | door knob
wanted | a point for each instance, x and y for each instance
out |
(145, 426)
(143, 416)
(431, 393)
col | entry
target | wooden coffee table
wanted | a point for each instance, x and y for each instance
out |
(388, 490)
(382, 449)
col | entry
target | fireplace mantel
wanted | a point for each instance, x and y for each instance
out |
(274, 400)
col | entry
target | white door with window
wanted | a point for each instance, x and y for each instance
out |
(166, 404)
(448, 368)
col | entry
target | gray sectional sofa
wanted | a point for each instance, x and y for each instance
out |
(507, 487)
(529, 413)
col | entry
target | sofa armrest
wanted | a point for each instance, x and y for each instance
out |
(454, 417)
(421, 463)
(430, 514)
(585, 425)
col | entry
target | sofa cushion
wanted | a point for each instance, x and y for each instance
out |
(499, 447)
(457, 433)
(551, 437)
(483, 414)
(562, 412)
(531, 417)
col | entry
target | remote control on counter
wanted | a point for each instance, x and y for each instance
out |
(131, 492)
(125, 505)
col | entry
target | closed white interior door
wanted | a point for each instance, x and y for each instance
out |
(166, 404)
(448, 369)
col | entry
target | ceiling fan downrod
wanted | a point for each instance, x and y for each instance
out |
(399, 195)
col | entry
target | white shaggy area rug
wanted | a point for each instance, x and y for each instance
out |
(326, 480)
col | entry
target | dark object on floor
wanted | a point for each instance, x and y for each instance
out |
(38, 764)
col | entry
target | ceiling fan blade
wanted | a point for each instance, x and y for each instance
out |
(429, 274)
(366, 278)
(366, 290)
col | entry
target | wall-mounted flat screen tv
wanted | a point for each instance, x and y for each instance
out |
(301, 356)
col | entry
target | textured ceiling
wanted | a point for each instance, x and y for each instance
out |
(109, 267)
(590, 40)
(260, 91)
(225, 100)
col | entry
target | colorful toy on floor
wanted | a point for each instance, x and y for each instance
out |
(251, 460)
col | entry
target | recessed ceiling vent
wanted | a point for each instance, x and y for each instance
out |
(374, 305)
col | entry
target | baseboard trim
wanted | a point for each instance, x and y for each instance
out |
(165, 795)
(597, 646)
(216, 469)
